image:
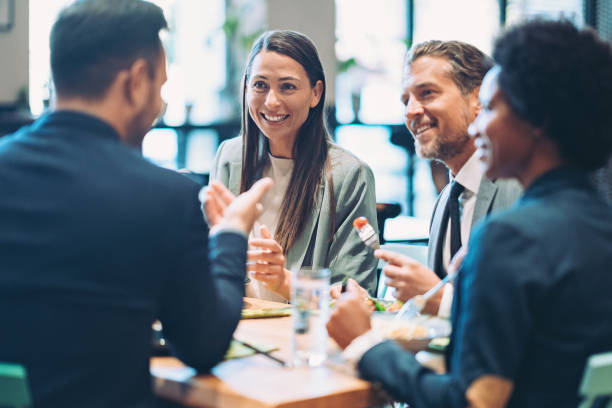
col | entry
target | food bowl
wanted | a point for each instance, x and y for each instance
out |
(413, 334)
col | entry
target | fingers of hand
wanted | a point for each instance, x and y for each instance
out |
(395, 272)
(268, 278)
(396, 283)
(391, 257)
(224, 194)
(273, 258)
(257, 191)
(353, 287)
(264, 232)
(268, 244)
(335, 290)
(214, 211)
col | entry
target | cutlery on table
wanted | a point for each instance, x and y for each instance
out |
(257, 350)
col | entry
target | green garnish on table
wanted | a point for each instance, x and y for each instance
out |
(266, 312)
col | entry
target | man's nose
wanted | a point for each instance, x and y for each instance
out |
(413, 109)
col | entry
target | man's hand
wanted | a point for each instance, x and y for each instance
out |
(409, 278)
(216, 198)
(350, 318)
(224, 210)
(336, 290)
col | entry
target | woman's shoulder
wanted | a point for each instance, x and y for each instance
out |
(344, 163)
(230, 150)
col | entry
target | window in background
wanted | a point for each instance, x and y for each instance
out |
(472, 21)
(201, 149)
(370, 43)
(160, 146)
(195, 47)
(388, 162)
(603, 19)
(370, 47)
(43, 14)
(518, 10)
(196, 55)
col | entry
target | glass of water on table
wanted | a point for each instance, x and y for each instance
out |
(310, 304)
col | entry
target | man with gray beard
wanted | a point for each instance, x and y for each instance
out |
(440, 94)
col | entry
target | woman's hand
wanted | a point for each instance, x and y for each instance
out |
(267, 263)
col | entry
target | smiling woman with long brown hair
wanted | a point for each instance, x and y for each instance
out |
(319, 187)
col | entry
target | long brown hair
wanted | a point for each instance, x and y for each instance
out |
(310, 149)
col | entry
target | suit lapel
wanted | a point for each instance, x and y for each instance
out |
(235, 174)
(486, 193)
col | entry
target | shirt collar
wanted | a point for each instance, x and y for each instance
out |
(557, 179)
(73, 119)
(470, 175)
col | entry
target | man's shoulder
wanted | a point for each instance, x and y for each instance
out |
(165, 181)
(509, 186)
(505, 191)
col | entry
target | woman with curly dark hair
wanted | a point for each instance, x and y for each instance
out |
(532, 301)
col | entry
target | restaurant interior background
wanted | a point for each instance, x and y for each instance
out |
(361, 42)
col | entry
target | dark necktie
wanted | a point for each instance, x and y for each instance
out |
(453, 213)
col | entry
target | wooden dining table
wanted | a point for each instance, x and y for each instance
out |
(257, 381)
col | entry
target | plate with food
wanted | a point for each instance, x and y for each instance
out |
(382, 305)
(414, 334)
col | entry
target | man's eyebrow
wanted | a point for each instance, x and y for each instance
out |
(285, 78)
(425, 84)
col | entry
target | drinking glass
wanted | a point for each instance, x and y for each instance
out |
(310, 303)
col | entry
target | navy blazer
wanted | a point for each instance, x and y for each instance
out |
(531, 303)
(96, 243)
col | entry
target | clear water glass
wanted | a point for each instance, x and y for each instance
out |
(310, 303)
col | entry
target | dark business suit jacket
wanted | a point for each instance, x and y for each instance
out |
(532, 302)
(95, 243)
(492, 196)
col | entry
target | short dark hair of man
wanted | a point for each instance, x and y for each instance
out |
(93, 40)
(468, 64)
(559, 79)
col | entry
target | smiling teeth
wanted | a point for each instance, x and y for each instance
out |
(422, 129)
(275, 118)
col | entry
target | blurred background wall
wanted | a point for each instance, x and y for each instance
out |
(14, 47)
(361, 43)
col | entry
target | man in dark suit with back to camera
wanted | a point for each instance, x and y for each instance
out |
(96, 242)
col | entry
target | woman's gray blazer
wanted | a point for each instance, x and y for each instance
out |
(355, 197)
